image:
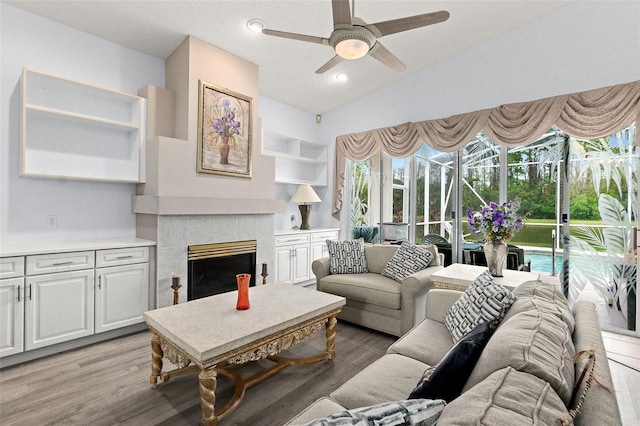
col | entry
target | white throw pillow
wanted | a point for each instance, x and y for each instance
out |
(484, 301)
(407, 260)
(417, 412)
(347, 257)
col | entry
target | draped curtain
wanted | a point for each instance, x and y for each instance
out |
(590, 114)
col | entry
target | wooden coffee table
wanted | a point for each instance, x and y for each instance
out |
(459, 276)
(210, 336)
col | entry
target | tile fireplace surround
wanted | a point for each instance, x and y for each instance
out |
(176, 232)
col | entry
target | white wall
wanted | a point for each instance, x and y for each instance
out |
(282, 118)
(84, 210)
(585, 45)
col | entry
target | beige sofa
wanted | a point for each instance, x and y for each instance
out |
(376, 301)
(525, 374)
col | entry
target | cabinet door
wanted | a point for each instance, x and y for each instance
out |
(59, 307)
(301, 263)
(319, 243)
(11, 316)
(284, 263)
(122, 295)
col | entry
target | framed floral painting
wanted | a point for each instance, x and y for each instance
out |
(224, 131)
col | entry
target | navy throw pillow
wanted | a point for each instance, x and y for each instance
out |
(447, 379)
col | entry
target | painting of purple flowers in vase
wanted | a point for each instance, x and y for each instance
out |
(224, 131)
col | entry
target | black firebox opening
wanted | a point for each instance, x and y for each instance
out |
(218, 274)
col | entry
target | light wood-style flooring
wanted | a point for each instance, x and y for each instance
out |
(107, 384)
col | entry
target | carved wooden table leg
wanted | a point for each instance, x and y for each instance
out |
(156, 360)
(207, 379)
(331, 336)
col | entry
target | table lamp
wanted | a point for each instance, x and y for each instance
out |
(304, 195)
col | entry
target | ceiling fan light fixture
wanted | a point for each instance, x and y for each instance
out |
(255, 25)
(352, 48)
(342, 77)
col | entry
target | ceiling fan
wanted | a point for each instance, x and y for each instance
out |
(352, 38)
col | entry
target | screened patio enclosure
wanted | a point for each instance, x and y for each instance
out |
(594, 181)
(570, 160)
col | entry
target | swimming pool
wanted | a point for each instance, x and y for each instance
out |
(542, 261)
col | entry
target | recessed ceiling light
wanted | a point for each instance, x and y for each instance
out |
(342, 77)
(255, 25)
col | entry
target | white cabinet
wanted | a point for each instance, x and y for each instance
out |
(292, 258)
(79, 131)
(11, 316)
(52, 298)
(297, 161)
(58, 308)
(319, 243)
(11, 267)
(122, 295)
(297, 249)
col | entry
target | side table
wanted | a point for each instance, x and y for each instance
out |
(459, 276)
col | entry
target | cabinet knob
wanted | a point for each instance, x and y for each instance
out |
(19, 293)
(99, 282)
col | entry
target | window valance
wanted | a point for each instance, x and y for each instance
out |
(590, 114)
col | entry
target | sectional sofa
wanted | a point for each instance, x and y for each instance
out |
(525, 374)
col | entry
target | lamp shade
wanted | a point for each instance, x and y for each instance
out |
(305, 194)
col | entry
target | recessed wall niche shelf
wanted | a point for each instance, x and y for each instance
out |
(297, 161)
(78, 131)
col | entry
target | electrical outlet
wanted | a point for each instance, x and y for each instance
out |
(52, 220)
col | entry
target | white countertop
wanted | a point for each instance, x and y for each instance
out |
(211, 326)
(303, 231)
(44, 247)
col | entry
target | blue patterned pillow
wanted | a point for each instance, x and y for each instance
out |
(418, 412)
(347, 257)
(408, 259)
(484, 301)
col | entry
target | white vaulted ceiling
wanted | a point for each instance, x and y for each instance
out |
(287, 67)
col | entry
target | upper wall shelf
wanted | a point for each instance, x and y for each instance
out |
(297, 161)
(78, 131)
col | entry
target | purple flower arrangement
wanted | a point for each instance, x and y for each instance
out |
(496, 222)
(225, 124)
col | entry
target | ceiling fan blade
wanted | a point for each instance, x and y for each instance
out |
(330, 64)
(294, 36)
(341, 14)
(393, 26)
(381, 53)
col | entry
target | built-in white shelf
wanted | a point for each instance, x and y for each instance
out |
(297, 161)
(79, 131)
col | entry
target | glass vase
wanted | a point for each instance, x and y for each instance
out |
(496, 253)
(243, 291)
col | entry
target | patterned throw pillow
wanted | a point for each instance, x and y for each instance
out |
(484, 301)
(419, 412)
(347, 257)
(408, 259)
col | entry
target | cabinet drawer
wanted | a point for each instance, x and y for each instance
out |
(323, 236)
(60, 262)
(125, 256)
(11, 267)
(292, 239)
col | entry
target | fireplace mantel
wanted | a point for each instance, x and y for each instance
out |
(174, 205)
